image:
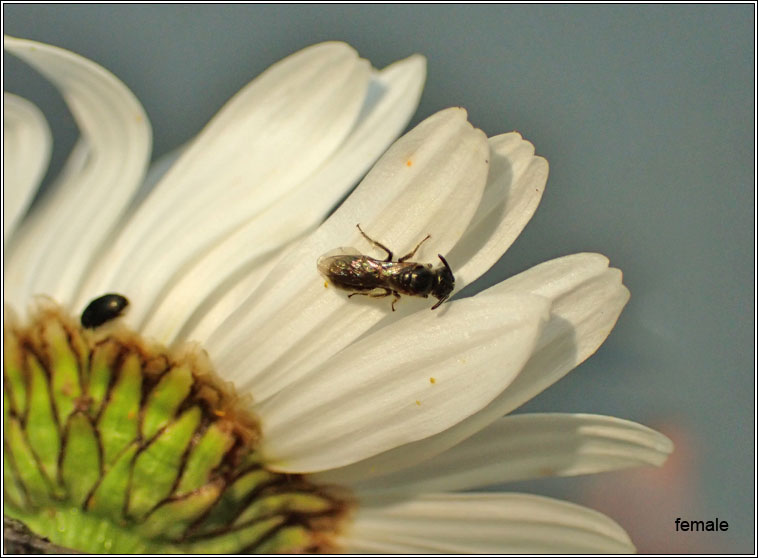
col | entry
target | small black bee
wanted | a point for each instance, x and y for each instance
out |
(363, 274)
(103, 309)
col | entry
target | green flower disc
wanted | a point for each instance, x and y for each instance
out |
(112, 445)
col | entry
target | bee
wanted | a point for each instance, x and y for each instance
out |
(367, 276)
(103, 309)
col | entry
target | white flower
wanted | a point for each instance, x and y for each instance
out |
(407, 408)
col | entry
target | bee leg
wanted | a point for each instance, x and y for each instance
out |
(410, 255)
(372, 294)
(387, 292)
(377, 244)
(351, 295)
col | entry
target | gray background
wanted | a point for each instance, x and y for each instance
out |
(646, 115)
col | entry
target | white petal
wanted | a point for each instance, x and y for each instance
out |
(584, 315)
(207, 316)
(26, 154)
(264, 142)
(402, 383)
(429, 181)
(530, 446)
(392, 98)
(514, 188)
(155, 172)
(65, 233)
(587, 299)
(484, 524)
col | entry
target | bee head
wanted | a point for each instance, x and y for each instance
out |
(443, 284)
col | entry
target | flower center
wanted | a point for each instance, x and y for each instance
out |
(115, 445)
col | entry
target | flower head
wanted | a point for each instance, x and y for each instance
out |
(240, 403)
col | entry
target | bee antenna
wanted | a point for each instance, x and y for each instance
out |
(440, 301)
(444, 261)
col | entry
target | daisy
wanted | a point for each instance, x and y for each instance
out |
(238, 402)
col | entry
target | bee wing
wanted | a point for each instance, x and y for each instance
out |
(341, 251)
(323, 262)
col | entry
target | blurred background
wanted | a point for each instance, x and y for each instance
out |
(646, 114)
